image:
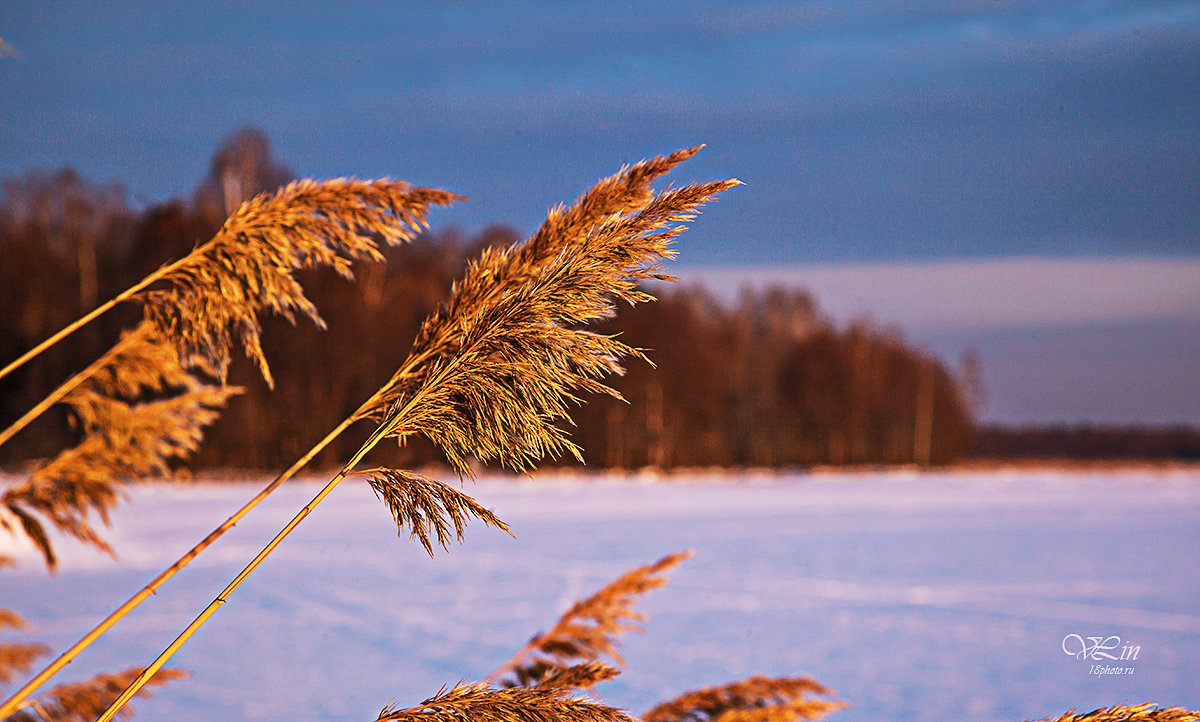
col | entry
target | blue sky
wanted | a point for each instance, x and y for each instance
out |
(868, 133)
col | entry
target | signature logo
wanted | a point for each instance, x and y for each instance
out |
(1098, 649)
(1102, 649)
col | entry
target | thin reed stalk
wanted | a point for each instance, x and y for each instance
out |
(66, 388)
(87, 318)
(237, 581)
(13, 703)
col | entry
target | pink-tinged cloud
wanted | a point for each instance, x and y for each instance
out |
(982, 294)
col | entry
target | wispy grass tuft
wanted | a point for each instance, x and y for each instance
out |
(424, 504)
(565, 230)
(1147, 712)
(504, 366)
(124, 440)
(481, 703)
(248, 267)
(757, 699)
(588, 630)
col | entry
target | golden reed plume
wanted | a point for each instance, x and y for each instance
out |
(757, 699)
(565, 230)
(578, 676)
(481, 703)
(125, 439)
(220, 288)
(589, 629)
(422, 504)
(249, 266)
(1147, 712)
(510, 364)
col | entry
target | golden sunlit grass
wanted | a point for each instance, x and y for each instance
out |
(423, 504)
(515, 704)
(124, 439)
(248, 267)
(758, 699)
(144, 404)
(1147, 712)
(588, 631)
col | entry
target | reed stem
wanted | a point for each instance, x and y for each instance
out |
(221, 598)
(67, 387)
(97, 312)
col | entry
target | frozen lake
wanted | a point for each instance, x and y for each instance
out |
(917, 596)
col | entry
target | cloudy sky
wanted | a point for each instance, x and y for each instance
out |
(1016, 177)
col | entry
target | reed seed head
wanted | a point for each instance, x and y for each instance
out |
(757, 699)
(480, 703)
(496, 369)
(1147, 712)
(589, 630)
(124, 440)
(424, 504)
(220, 289)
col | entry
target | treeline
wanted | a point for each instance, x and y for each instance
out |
(765, 382)
(1088, 442)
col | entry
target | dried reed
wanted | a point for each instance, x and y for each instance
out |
(83, 701)
(221, 287)
(519, 347)
(422, 504)
(757, 699)
(16, 658)
(480, 703)
(124, 440)
(564, 230)
(579, 676)
(520, 357)
(248, 266)
(589, 629)
(1147, 711)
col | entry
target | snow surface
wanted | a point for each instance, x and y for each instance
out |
(922, 596)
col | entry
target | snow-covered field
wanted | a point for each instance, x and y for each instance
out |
(917, 596)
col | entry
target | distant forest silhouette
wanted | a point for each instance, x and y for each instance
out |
(768, 381)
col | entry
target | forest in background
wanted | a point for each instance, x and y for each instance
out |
(768, 381)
